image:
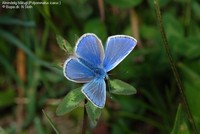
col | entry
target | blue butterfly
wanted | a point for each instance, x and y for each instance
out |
(90, 64)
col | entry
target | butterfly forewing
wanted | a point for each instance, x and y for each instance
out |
(75, 71)
(117, 48)
(90, 49)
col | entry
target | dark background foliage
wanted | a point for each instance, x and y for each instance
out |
(31, 61)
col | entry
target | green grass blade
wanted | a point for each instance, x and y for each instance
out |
(51, 123)
(173, 67)
(10, 70)
(180, 126)
(13, 40)
(5, 20)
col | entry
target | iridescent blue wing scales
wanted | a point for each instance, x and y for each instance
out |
(76, 71)
(90, 49)
(117, 48)
(95, 91)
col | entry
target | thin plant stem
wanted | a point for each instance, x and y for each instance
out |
(21, 71)
(101, 10)
(84, 119)
(174, 69)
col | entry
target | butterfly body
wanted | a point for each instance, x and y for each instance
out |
(90, 64)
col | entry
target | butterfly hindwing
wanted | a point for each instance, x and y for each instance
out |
(95, 91)
(90, 49)
(117, 48)
(75, 71)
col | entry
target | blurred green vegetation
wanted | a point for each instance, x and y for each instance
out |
(31, 61)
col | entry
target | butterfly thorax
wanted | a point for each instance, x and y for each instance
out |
(98, 71)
